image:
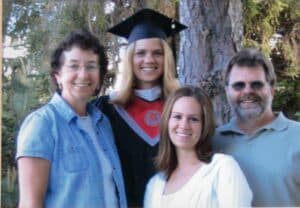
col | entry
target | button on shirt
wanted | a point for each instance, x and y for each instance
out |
(76, 174)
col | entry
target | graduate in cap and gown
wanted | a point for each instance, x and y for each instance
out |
(134, 110)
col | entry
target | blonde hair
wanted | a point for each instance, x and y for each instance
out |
(168, 83)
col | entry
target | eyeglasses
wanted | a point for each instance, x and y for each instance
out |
(255, 85)
(76, 68)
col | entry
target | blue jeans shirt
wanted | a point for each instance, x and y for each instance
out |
(75, 178)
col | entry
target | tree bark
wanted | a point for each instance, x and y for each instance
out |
(214, 34)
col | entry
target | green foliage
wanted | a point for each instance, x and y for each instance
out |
(260, 21)
(9, 195)
(21, 94)
(294, 9)
(277, 20)
(288, 98)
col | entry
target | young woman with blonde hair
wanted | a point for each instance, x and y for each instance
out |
(134, 110)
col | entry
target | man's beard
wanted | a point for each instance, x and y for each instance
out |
(250, 107)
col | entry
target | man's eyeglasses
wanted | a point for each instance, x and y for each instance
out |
(255, 85)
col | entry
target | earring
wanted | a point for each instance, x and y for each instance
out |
(59, 86)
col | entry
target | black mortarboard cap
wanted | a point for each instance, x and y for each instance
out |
(147, 23)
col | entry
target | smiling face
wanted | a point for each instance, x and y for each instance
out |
(148, 62)
(79, 75)
(249, 103)
(185, 123)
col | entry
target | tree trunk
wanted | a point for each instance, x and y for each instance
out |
(214, 35)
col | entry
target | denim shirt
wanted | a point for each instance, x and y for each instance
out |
(75, 178)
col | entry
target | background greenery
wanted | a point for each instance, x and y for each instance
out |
(37, 25)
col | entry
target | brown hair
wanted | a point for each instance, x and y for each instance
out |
(85, 40)
(166, 160)
(252, 57)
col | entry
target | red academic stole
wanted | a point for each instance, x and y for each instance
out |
(146, 114)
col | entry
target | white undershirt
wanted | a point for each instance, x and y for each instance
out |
(85, 123)
(149, 94)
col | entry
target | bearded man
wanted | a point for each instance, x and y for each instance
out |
(265, 144)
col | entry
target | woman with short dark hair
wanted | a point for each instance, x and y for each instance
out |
(65, 150)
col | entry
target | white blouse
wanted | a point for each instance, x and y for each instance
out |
(220, 183)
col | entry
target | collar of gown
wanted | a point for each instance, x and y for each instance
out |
(149, 94)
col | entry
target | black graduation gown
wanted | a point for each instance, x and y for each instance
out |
(136, 155)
